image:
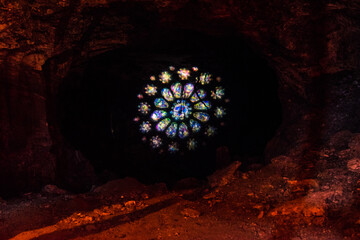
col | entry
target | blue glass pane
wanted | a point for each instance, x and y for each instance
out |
(203, 117)
(161, 126)
(204, 105)
(199, 94)
(158, 114)
(188, 90)
(167, 94)
(183, 130)
(176, 88)
(195, 125)
(161, 103)
(171, 131)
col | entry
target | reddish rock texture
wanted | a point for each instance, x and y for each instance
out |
(313, 46)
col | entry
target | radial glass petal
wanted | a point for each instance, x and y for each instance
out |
(183, 130)
(161, 126)
(161, 103)
(188, 90)
(204, 105)
(171, 130)
(199, 94)
(177, 88)
(195, 125)
(158, 114)
(203, 117)
(167, 94)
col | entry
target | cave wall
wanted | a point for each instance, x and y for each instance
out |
(313, 46)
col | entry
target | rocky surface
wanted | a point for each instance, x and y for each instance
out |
(269, 203)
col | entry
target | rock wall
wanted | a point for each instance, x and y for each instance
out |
(313, 46)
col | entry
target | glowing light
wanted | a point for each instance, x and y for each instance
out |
(203, 117)
(155, 141)
(205, 105)
(166, 93)
(219, 112)
(205, 78)
(158, 114)
(218, 93)
(210, 131)
(177, 88)
(150, 90)
(183, 130)
(191, 144)
(165, 77)
(171, 131)
(174, 113)
(161, 126)
(144, 108)
(173, 147)
(200, 94)
(145, 127)
(161, 103)
(181, 110)
(188, 90)
(184, 73)
(195, 125)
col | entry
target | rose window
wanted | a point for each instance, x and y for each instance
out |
(179, 108)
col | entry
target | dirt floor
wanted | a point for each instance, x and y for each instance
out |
(294, 197)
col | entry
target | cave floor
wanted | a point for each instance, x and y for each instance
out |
(278, 201)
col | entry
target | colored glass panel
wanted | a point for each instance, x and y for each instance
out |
(188, 90)
(183, 130)
(203, 117)
(195, 125)
(161, 103)
(176, 89)
(204, 105)
(166, 93)
(171, 130)
(158, 114)
(161, 126)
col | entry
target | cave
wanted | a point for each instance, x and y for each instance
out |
(97, 104)
(277, 151)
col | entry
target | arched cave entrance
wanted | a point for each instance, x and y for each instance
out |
(96, 105)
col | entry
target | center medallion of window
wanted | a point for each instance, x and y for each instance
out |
(180, 110)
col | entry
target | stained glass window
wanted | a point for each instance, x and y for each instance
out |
(180, 108)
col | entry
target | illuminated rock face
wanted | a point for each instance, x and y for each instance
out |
(313, 47)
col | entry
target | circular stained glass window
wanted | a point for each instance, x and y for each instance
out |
(180, 108)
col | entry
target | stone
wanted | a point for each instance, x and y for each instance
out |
(191, 213)
(224, 176)
(53, 189)
(354, 165)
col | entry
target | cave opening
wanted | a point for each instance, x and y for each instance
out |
(97, 103)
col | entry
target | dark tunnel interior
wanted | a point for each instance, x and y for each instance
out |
(97, 103)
